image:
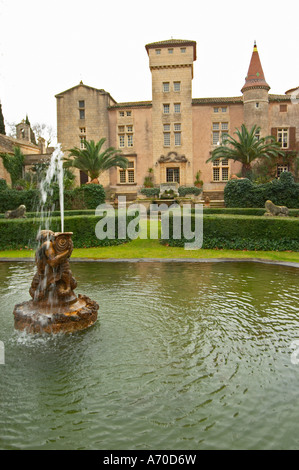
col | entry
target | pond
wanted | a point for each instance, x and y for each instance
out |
(183, 356)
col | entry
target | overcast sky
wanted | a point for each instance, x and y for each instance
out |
(47, 47)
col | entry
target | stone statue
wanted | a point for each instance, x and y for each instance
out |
(274, 210)
(18, 213)
(53, 280)
(54, 307)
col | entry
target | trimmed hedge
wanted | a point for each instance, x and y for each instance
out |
(184, 190)
(21, 233)
(88, 196)
(244, 193)
(244, 232)
(150, 192)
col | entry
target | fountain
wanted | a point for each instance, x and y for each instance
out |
(54, 306)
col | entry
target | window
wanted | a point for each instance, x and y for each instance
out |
(177, 107)
(177, 86)
(177, 134)
(224, 110)
(170, 51)
(183, 50)
(129, 113)
(283, 108)
(131, 176)
(158, 51)
(125, 135)
(82, 113)
(82, 142)
(219, 132)
(166, 135)
(130, 140)
(166, 87)
(172, 175)
(257, 135)
(281, 169)
(128, 175)
(81, 104)
(122, 176)
(121, 139)
(257, 105)
(121, 113)
(283, 137)
(82, 130)
(177, 138)
(216, 110)
(220, 170)
(166, 108)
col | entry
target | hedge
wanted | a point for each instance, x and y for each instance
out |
(88, 196)
(184, 190)
(243, 232)
(21, 233)
(150, 192)
(244, 193)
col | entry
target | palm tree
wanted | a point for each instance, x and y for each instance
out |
(93, 161)
(247, 148)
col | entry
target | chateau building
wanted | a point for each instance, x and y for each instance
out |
(174, 133)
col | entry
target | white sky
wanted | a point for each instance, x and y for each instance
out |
(49, 46)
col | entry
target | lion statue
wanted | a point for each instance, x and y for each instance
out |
(272, 209)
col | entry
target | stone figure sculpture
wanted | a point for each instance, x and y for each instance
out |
(54, 306)
(274, 210)
(18, 213)
(53, 280)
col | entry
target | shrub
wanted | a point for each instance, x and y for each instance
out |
(184, 190)
(20, 233)
(3, 184)
(244, 232)
(84, 197)
(244, 193)
(150, 192)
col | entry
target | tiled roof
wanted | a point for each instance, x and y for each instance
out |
(86, 86)
(218, 100)
(7, 144)
(279, 97)
(255, 76)
(132, 104)
(172, 42)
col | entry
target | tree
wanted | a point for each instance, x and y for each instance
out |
(247, 148)
(45, 131)
(14, 164)
(93, 161)
(2, 125)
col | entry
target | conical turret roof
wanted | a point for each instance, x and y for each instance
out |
(255, 76)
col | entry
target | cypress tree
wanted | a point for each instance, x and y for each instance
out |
(2, 125)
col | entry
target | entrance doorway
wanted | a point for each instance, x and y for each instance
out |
(172, 175)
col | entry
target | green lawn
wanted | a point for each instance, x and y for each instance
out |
(147, 248)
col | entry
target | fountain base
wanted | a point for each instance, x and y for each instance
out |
(34, 317)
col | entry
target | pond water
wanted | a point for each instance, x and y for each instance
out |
(183, 356)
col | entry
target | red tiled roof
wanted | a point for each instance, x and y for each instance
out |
(218, 100)
(174, 43)
(255, 76)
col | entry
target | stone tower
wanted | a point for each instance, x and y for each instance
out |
(255, 95)
(171, 65)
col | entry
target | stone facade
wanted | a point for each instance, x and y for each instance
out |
(174, 134)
